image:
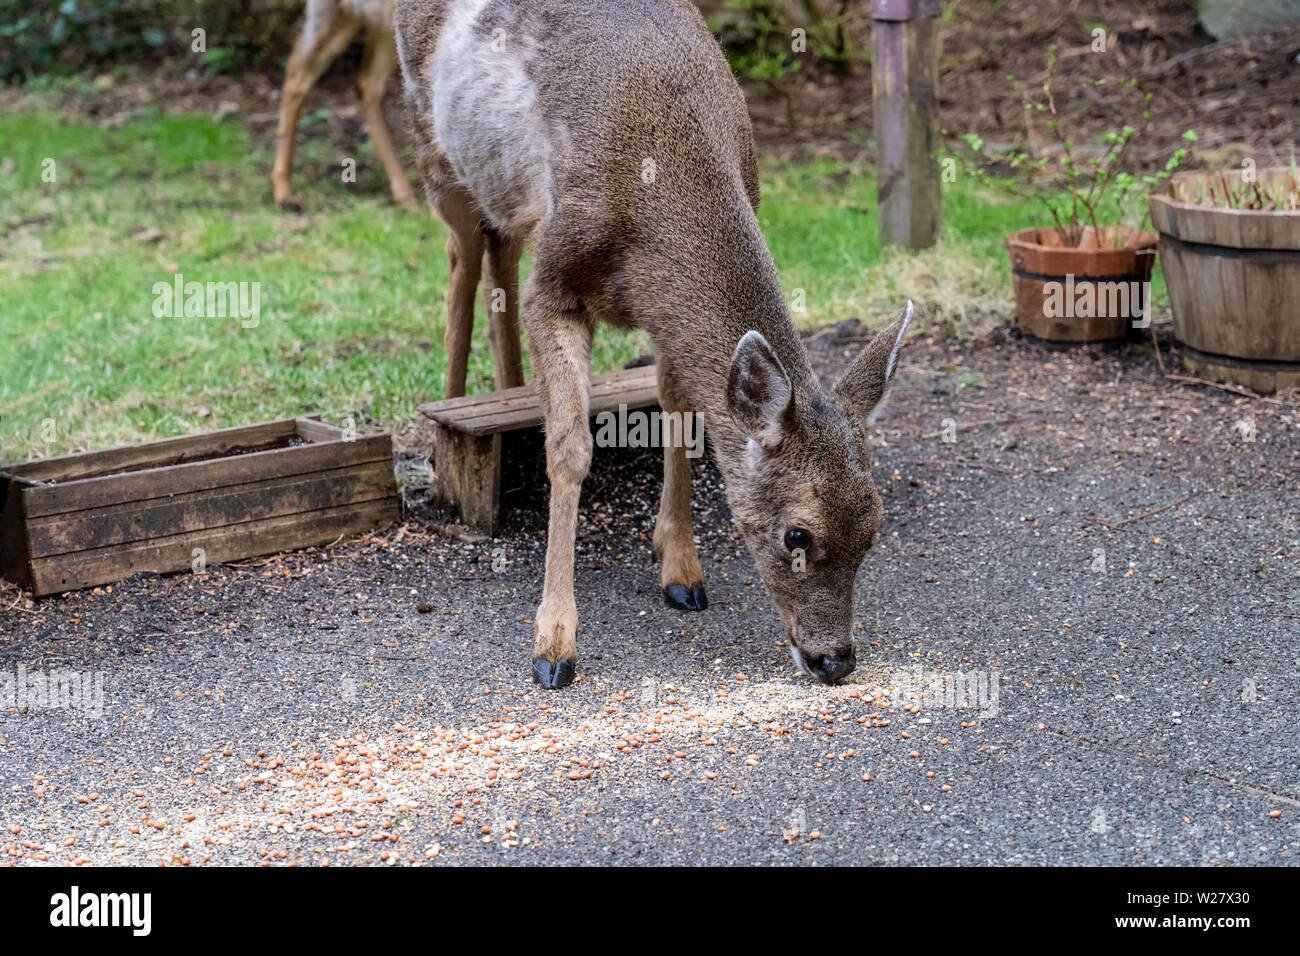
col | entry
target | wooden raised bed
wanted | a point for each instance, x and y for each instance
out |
(82, 520)
(1234, 284)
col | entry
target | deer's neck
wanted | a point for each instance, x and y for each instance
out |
(712, 289)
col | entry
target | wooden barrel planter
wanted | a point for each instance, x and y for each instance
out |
(1087, 293)
(1234, 284)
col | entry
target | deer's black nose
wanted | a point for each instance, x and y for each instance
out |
(829, 668)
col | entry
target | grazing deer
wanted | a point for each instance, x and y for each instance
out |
(328, 28)
(612, 134)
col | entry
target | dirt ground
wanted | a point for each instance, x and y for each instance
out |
(1102, 552)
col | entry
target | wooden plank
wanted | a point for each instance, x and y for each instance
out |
(156, 454)
(181, 479)
(233, 542)
(13, 537)
(905, 84)
(312, 429)
(136, 521)
(508, 395)
(522, 409)
(527, 417)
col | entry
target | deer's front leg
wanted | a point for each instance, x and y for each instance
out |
(560, 341)
(674, 537)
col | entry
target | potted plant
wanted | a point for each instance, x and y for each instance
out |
(1230, 244)
(1085, 278)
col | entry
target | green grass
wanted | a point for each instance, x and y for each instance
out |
(351, 290)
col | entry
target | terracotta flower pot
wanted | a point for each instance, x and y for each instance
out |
(1090, 293)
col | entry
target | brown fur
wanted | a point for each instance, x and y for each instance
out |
(618, 82)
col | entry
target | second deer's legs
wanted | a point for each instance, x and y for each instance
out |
(380, 59)
(326, 33)
(674, 537)
(560, 341)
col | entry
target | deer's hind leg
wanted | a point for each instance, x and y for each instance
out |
(465, 244)
(380, 59)
(560, 333)
(502, 293)
(674, 537)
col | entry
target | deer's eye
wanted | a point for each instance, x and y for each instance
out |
(798, 538)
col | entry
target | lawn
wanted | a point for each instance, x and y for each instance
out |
(351, 289)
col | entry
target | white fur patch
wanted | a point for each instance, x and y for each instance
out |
(487, 121)
(797, 656)
(890, 366)
(898, 344)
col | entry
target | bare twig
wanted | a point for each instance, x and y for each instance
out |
(1155, 344)
(1147, 514)
(979, 424)
(964, 464)
(1236, 389)
(451, 531)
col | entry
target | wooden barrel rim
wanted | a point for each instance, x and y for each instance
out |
(1194, 221)
(1232, 361)
(1265, 256)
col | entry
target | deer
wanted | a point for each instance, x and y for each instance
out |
(612, 135)
(328, 27)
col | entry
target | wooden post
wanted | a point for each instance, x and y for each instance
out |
(467, 472)
(905, 92)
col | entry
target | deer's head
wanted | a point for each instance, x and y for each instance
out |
(802, 495)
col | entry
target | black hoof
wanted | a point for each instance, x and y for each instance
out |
(553, 676)
(678, 597)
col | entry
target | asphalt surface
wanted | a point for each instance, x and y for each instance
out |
(1107, 562)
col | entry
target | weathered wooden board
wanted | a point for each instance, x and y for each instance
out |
(231, 543)
(156, 454)
(512, 409)
(107, 490)
(81, 520)
(211, 508)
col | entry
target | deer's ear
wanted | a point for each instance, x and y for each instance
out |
(759, 395)
(865, 382)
